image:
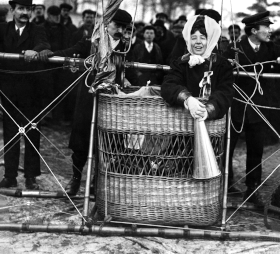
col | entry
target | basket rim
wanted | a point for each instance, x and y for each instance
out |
(162, 178)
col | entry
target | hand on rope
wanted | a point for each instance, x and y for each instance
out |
(29, 55)
(196, 108)
(278, 60)
(45, 54)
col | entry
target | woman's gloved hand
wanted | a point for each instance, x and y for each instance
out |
(196, 108)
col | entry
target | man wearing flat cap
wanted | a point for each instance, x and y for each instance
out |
(21, 93)
(65, 18)
(256, 47)
(39, 11)
(162, 16)
(80, 134)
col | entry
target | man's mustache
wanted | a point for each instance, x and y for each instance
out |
(24, 16)
(118, 35)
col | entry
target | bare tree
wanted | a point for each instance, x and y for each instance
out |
(259, 6)
(168, 6)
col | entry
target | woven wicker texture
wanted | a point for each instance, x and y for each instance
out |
(148, 114)
(160, 200)
(145, 164)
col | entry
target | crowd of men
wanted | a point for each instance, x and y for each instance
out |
(52, 32)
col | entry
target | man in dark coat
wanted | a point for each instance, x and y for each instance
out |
(87, 28)
(164, 38)
(65, 19)
(130, 34)
(39, 12)
(80, 135)
(19, 94)
(3, 14)
(256, 47)
(148, 52)
(57, 81)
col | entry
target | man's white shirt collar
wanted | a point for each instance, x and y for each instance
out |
(114, 42)
(149, 46)
(20, 29)
(253, 45)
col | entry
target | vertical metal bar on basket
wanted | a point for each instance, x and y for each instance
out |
(226, 170)
(90, 157)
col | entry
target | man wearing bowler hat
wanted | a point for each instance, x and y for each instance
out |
(256, 47)
(79, 139)
(20, 94)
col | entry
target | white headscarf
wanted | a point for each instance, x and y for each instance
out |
(213, 31)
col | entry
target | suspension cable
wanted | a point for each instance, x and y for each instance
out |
(56, 178)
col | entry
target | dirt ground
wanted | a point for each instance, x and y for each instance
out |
(60, 211)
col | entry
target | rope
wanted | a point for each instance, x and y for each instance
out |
(59, 151)
(253, 193)
(256, 105)
(32, 72)
(254, 168)
(257, 111)
(55, 178)
(57, 98)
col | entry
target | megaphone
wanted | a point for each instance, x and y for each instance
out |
(205, 163)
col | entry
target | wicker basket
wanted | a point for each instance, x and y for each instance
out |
(150, 181)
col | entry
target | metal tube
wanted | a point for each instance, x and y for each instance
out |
(226, 170)
(58, 59)
(156, 232)
(37, 194)
(90, 158)
(252, 74)
(10, 56)
(147, 66)
(53, 59)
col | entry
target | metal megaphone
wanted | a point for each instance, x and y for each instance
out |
(205, 163)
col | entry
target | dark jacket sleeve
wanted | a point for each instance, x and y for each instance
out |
(173, 90)
(40, 39)
(82, 48)
(221, 98)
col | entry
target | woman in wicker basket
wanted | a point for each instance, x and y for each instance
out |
(200, 73)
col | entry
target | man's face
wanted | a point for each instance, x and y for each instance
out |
(126, 36)
(263, 34)
(163, 18)
(65, 13)
(88, 19)
(54, 19)
(149, 35)
(160, 31)
(177, 31)
(115, 30)
(39, 11)
(22, 14)
(181, 22)
(234, 34)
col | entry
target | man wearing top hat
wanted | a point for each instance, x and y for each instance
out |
(253, 48)
(80, 134)
(20, 93)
